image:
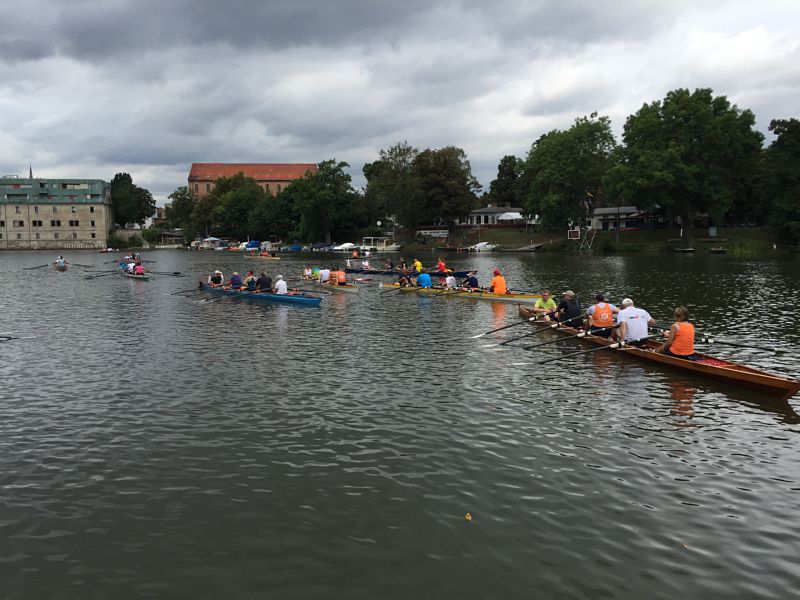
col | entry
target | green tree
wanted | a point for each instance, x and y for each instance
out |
(563, 167)
(235, 198)
(179, 211)
(690, 153)
(276, 216)
(507, 188)
(390, 185)
(132, 204)
(780, 183)
(444, 187)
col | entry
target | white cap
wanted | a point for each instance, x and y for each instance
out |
(280, 277)
(627, 301)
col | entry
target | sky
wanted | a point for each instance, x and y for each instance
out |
(91, 88)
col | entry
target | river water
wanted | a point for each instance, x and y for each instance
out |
(170, 446)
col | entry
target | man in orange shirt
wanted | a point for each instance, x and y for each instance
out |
(498, 283)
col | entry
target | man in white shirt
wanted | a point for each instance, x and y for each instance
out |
(633, 322)
(450, 281)
(280, 286)
(324, 275)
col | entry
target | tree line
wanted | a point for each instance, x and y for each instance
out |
(689, 154)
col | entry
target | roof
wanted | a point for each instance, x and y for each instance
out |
(258, 171)
(490, 210)
(613, 210)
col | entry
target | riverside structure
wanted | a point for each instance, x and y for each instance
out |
(39, 214)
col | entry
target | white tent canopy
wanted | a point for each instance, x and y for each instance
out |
(509, 216)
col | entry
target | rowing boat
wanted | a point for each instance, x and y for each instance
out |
(521, 297)
(144, 277)
(397, 273)
(775, 386)
(58, 267)
(304, 299)
(348, 287)
(262, 257)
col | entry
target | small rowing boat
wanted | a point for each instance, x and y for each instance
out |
(411, 273)
(468, 294)
(348, 287)
(58, 267)
(144, 277)
(292, 298)
(262, 257)
(775, 386)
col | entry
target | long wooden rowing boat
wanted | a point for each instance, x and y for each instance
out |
(397, 272)
(262, 257)
(144, 277)
(775, 386)
(350, 288)
(522, 297)
(292, 298)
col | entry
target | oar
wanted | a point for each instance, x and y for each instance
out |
(450, 291)
(39, 267)
(530, 320)
(394, 289)
(194, 289)
(315, 290)
(167, 273)
(577, 335)
(101, 275)
(613, 346)
(80, 265)
(711, 340)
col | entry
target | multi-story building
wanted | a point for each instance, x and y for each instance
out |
(272, 177)
(54, 213)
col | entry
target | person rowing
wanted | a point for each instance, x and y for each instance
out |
(568, 311)
(280, 286)
(498, 283)
(417, 265)
(545, 305)
(450, 281)
(441, 266)
(633, 322)
(250, 281)
(61, 263)
(388, 264)
(680, 338)
(138, 269)
(338, 277)
(471, 282)
(324, 275)
(600, 317)
(235, 281)
(264, 283)
(216, 278)
(424, 280)
(308, 272)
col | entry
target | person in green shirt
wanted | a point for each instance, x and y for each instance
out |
(545, 305)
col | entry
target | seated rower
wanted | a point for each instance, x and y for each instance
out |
(569, 311)
(250, 281)
(308, 273)
(680, 338)
(633, 322)
(544, 306)
(388, 264)
(417, 265)
(404, 280)
(138, 269)
(130, 266)
(235, 281)
(216, 278)
(264, 283)
(450, 281)
(441, 267)
(280, 286)
(424, 280)
(60, 262)
(324, 275)
(498, 283)
(365, 265)
(600, 317)
(471, 282)
(339, 277)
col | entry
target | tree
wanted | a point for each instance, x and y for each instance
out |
(390, 184)
(275, 216)
(444, 187)
(690, 153)
(234, 199)
(507, 188)
(178, 214)
(780, 183)
(132, 204)
(563, 167)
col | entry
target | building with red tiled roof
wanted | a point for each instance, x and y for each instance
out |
(272, 177)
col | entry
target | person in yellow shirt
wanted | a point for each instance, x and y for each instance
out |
(545, 305)
(498, 283)
(417, 265)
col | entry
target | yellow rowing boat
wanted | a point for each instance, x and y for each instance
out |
(468, 294)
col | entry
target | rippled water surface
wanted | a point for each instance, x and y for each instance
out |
(170, 446)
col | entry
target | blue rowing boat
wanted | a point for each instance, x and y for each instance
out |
(304, 299)
(397, 272)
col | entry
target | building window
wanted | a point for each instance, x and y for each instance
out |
(2, 223)
(91, 209)
(55, 236)
(93, 236)
(279, 188)
(16, 209)
(196, 188)
(36, 223)
(73, 209)
(74, 236)
(19, 236)
(36, 209)
(92, 222)
(41, 185)
(55, 208)
(19, 223)
(1, 236)
(55, 223)
(208, 187)
(38, 236)
(73, 223)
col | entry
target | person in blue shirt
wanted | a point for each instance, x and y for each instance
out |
(471, 282)
(424, 280)
(236, 281)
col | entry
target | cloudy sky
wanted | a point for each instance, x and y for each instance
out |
(89, 88)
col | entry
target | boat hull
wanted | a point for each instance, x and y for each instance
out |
(263, 257)
(523, 298)
(775, 386)
(135, 276)
(264, 297)
(396, 273)
(347, 289)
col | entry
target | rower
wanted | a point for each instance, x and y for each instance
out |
(139, 268)
(307, 272)
(264, 283)
(471, 282)
(388, 264)
(680, 338)
(633, 322)
(339, 277)
(365, 265)
(424, 280)
(402, 265)
(450, 281)
(417, 265)
(280, 286)
(569, 311)
(498, 283)
(236, 281)
(216, 278)
(324, 275)
(60, 262)
(250, 281)
(545, 305)
(600, 317)
(440, 266)
(130, 266)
